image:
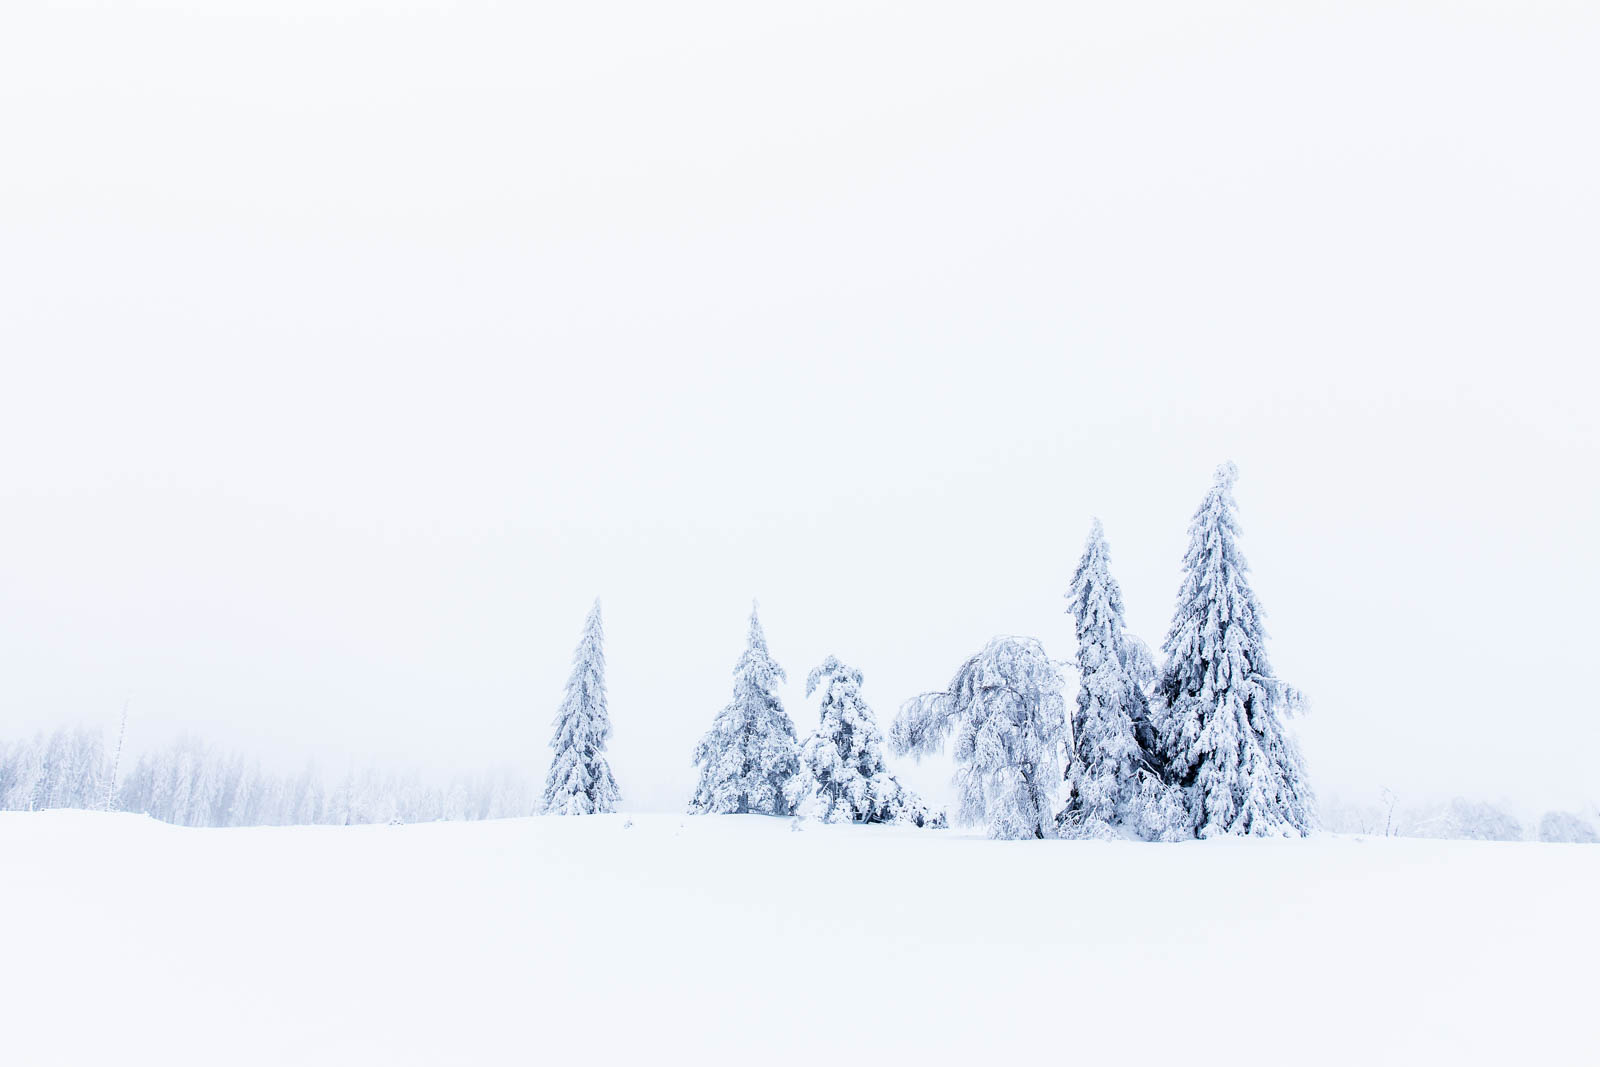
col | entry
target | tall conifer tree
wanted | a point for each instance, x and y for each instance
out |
(1110, 773)
(580, 781)
(749, 757)
(1219, 709)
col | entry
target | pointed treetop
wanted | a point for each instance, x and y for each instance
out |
(1095, 544)
(580, 781)
(749, 755)
(1093, 594)
(592, 623)
(590, 641)
(1227, 474)
(756, 655)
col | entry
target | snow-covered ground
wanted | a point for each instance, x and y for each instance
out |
(733, 939)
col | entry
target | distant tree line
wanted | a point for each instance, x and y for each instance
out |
(1456, 819)
(190, 783)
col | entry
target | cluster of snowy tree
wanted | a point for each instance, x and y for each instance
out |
(752, 762)
(1456, 819)
(191, 783)
(1194, 746)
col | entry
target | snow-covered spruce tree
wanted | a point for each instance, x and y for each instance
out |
(580, 781)
(1218, 708)
(1009, 718)
(842, 776)
(1161, 810)
(1110, 771)
(749, 757)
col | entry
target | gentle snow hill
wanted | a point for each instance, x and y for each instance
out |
(719, 939)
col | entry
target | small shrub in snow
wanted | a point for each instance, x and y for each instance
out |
(1469, 820)
(1565, 826)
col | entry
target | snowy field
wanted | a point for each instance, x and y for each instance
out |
(734, 939)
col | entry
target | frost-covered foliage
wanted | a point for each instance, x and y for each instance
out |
(66, 769)
(191, 783)
(1458, 819)
(843, 777)
(1140, 663)
(1567, 827)
(749, 757)
(580, 781)
(1008, 715)
(1474, 820)
(1161, 812)
(1218, 708)
(1112, 776)
(1384, 818)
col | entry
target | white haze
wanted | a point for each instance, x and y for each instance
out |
(351, 349)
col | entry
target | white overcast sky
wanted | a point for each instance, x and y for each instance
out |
(350, 349)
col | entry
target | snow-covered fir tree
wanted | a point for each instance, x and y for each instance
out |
(749, 757)
(580, 781)
(1111, 772)
(1218, 708)
(843, 777)
(1008, 715)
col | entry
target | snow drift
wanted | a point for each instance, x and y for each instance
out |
(651, 938)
